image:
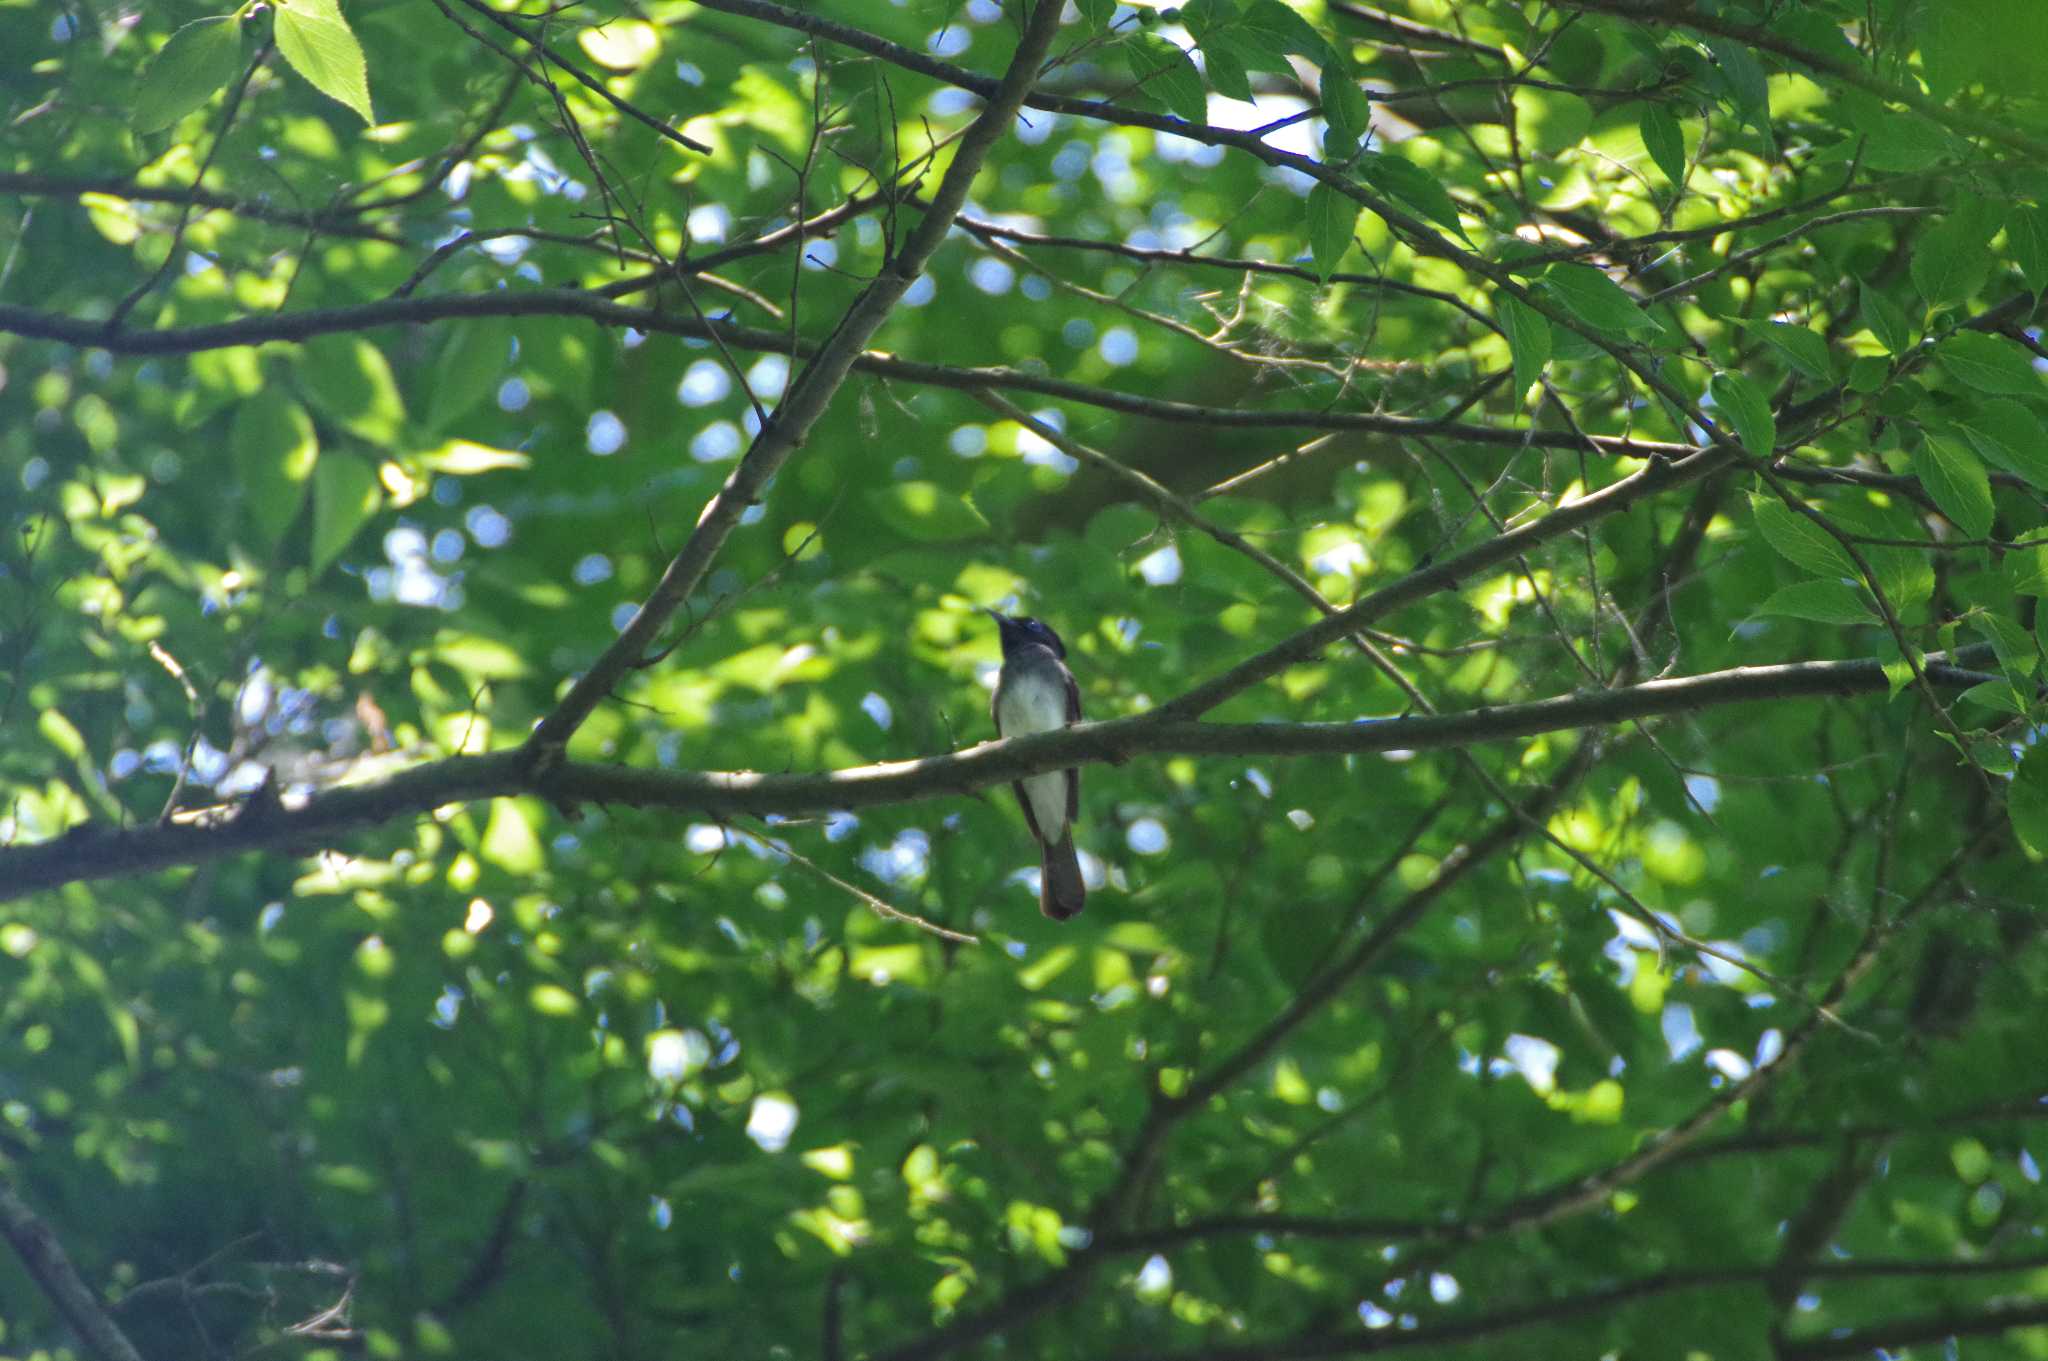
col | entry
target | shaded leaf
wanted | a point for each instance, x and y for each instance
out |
(1402, 179)
(2026, 571)
(1346, 111)
(274, 447)
(1665, 141)
(1805, 350)
(345, 495)
(472, 364)
(2009, 436)
(1281, 27)
(1528, 338)
(1331, 217)
(350, 381)
(1165, 73)
(1955, 479)
(1823, 601)
(1799, 540)
(2027, 799)
(1748, 411)
(2017, 654)
(1949, 262)
(1989, 364)
(2026, 237)
(1595, 299)
(1887, 321)
(200, 58)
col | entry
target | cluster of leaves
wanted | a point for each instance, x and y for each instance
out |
(336, 447)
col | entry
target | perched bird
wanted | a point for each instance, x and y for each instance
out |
(1036, 693)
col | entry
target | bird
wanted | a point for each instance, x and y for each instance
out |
(1035, 692)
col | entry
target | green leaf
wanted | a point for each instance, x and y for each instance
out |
(317, 42)
(511, 842)
(1550, 122)
(1949, 262)
(61, 733)
(274, 448)
(350, 381)
(1223, 57)
(473, 363)
(1867, 374)
(1903, 143)
(1956, 480)
(2009, 436)
(1528, 339)
(2017, 655)
(1097, 13)
(1799, 540)
(1280, 27)
(926, 512)
(200, 58)
(345, 495)
(1749, 90)
(2026, 237)
(2027, 799)
(1167, 74)
(462, 458)
(1748, 411)
(1824, 602)
(1595, 299)
(2026, 570)
(1331, 217)
(1400, 178)
(1346, 112)
(1887, 321)
(1665, 141)
(1997, 694)
(1806, 351)
(1989, 364)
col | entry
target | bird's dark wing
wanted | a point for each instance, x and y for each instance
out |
(1073, 772)
(1017, 788)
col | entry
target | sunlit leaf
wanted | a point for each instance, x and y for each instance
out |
(317, 41)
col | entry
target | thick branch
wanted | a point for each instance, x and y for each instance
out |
(92, 853)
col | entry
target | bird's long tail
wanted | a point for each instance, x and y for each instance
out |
(1061, 892)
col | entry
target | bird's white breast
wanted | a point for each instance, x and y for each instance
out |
(1028, 707)
(1025, 707)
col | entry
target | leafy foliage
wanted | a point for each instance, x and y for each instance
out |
(1369, 364)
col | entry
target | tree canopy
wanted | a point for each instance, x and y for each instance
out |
(502, 851)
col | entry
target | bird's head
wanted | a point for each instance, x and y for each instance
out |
(1019, 632)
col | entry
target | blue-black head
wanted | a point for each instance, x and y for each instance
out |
(1018, 632)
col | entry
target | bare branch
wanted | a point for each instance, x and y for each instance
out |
(91, 853)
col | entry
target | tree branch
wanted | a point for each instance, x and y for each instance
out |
(92, 853)
(566, 302)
